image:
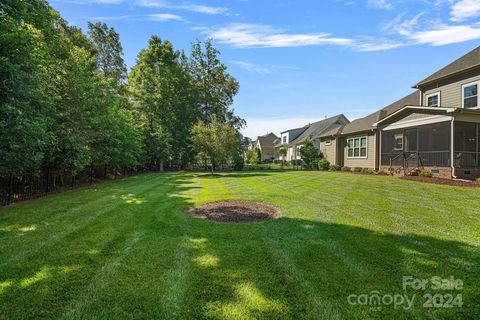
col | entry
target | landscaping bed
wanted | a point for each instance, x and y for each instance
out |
(444, 181)
(236, 211)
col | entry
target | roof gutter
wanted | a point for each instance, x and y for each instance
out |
(422, 83)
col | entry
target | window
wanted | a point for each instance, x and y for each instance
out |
(284, 139)
(433, 100)
(470, 95)
(328, 141)
(357, 147)
(398, 142)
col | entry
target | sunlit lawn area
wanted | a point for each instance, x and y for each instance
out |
(125, 249)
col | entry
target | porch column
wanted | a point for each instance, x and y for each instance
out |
(379, 148)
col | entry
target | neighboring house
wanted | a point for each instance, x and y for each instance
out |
(358, 142)
(265, 144)
(286, 137)
(294, 139)
(436, 127)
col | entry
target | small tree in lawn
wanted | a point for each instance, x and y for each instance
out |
(215, 142)
(259, 155)
(282, 153)
(310, 155)
(252, 157)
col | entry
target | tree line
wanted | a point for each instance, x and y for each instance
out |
(67, 101)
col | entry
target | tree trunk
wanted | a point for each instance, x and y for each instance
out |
(10, 189)
(161, 165)
(47, 185)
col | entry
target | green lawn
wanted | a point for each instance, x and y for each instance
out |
(126, 249)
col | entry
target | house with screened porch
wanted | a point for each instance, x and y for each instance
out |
(436, 127)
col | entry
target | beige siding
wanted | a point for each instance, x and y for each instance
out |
(369, 161)
(451, 90)
(267, 153)
(329, 151)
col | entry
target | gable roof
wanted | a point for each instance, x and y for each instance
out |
(466, 62)
(315, 129)
(367, 123)
(267, 140)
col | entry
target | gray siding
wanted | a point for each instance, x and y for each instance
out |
(369, 161)
(451, 89)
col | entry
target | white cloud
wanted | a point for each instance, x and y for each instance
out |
(445, 34)
(202, 9)
(368, 44)
(380, 4)
(435, 33)
(244, 35)
(401, 26)
(465, 9)
(265, 36)
(182, 6)
(250, 67)
(124, 17)
(164, 17)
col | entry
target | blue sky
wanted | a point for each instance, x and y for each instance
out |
(299, 61)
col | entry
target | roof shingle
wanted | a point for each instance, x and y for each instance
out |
(466, 62)
(366, 123)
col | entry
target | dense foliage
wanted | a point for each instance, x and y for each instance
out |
(216, 142)
(310, 155)
(68, 103)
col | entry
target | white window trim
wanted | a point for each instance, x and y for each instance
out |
(400, 135)
(328, 141)
(432, 95)
(478, 95)
(366, 146)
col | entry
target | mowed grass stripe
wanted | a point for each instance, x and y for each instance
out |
(145, 258)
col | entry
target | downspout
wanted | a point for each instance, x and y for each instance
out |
(379, 156)
(452, 145)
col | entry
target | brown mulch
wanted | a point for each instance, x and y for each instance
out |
(443, 181)
(235, 211)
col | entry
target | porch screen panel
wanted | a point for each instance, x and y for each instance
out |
(465, 144)
(390, 147)
(465, 136)
(434, 144)
(411, 144)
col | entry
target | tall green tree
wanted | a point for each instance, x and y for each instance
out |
(216, 142)
(310, 154)
(109, 55)
(161, 91)
(116, 140)
(215, 88)
(24, 96)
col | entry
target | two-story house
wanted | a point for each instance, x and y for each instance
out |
(436, 127)
(266, 146)
(292, 140)
(441, 131)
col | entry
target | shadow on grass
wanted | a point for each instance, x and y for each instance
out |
(239, 174)
(113, 259)
(80, 240)
(293, 268)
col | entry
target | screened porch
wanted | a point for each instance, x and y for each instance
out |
(430, 146)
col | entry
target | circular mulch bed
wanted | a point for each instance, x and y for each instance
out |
(235, 211)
